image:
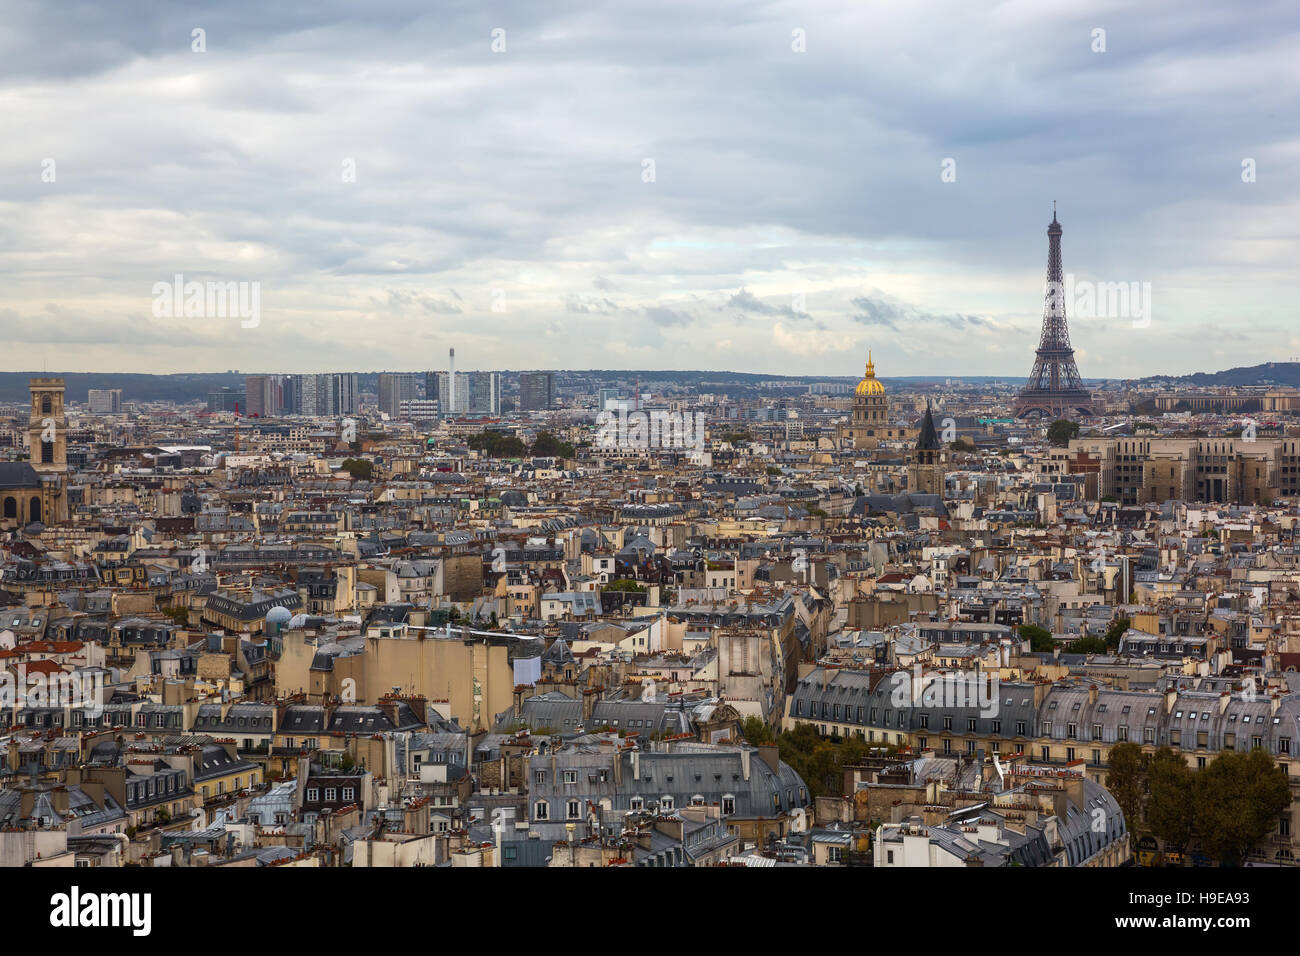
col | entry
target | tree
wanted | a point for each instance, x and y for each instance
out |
(1237, 801)
(1169, 806)
(755, 731)
(178, 615)
(1040, 638)
(1126, 782)
(962, 444)
(361, 469)
(1088, 645)
(1116, 631)
(736, 437)
(548, 446)
(497, 444)
(625, 584)
(1061, 431)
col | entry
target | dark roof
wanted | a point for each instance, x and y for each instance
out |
(18, 474)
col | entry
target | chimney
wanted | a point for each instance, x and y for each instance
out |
(770, 754)
(589, 697)
(1092, 694)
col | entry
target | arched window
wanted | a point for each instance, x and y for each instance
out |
(34, 511)
(46, 404)
(11, 507)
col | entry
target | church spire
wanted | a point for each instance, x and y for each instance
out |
(928, 440)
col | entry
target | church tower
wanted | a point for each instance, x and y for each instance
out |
(928, 462)
(47, 432)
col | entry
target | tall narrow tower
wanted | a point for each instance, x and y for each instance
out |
(1054, 387)
(47, 430)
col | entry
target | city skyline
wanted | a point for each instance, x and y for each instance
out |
(559, 194)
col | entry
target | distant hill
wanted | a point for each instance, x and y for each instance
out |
(1270, 373)
(135, 387)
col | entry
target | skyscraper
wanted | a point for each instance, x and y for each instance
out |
(536, 391)
(395, 388)
(104, 401)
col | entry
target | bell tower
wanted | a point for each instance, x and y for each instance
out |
(47, 432)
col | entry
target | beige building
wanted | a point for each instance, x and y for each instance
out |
(467, 677)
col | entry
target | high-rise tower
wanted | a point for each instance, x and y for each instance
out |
(1054, 387)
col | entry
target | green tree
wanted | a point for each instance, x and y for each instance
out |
(1126, 781)
(1040, 638)
(1088, 645)
(737, 437)
(625, 584)
(361, 469)
(1061, 431)
(1169, 806)
(178, 615)
(1115, 632)
(755, 731)
(497, 444)
(1237, 801)
(548, 446)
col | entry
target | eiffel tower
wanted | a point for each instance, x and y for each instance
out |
(1054, 387)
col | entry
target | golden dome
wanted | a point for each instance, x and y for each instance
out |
(869, 385)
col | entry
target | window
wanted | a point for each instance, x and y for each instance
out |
(571, 809)
(666, 803)
(542, 810)
(728, 804)
(636, 803)
(331, 794)
(539, 777)
(349, 794)
(313, 794)
(570, 776)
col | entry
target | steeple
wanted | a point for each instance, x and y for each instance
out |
(928, 440)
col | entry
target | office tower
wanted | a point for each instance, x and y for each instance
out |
(451, 383)
(256, 393)
(485, 393)
(394, 389)
(327, 395)
(344, 393)
(104, 401)
(226, 400)
(536, 391)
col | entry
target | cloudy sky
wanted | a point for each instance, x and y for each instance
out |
(768, 187)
